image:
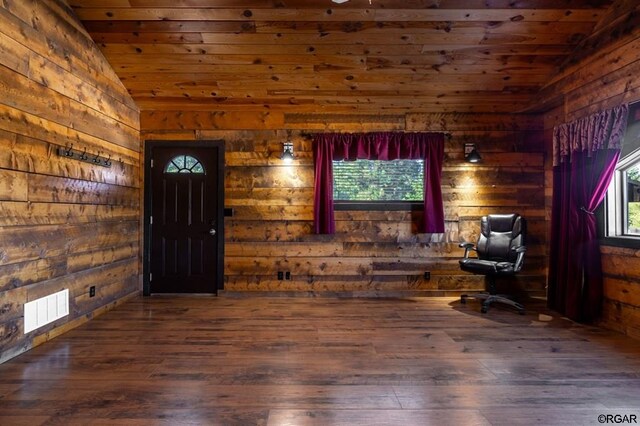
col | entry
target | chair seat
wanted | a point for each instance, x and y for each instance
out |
(479, 266)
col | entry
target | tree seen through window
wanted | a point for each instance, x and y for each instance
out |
(378, 180)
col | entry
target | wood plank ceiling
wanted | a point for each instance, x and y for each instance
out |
(362, 56)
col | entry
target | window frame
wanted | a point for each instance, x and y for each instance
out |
(344, 205)
(181, 170)
(379, 205)
(612, 214)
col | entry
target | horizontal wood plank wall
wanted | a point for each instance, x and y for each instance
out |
(372, 252)
(621, 290)
(64, 224)
(602, 75)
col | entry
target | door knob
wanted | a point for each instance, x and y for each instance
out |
(212, 231)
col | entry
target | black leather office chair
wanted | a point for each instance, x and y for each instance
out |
(500, 250)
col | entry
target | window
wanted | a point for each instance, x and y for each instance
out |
(631, 177)
(622, 204)
(623, 199)
(184, 164)
(378, 180)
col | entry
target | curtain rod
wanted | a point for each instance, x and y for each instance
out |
(309, 135)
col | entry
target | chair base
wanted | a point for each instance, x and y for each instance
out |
(488, 299)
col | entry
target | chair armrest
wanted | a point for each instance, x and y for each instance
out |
(520, 259)
(468, 247)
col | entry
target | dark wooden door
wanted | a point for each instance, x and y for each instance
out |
(185, 220)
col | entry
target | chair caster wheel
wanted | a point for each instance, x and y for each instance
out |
(484, 309)
(463, 301)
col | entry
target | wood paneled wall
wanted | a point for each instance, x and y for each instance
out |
(621, 290)
(372, 252)
(604, 73)
(63, 223)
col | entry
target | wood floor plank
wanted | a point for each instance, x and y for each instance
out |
(322, 361)
(376, 417)
(570, 369)
(551, 416)
(495, 396)
(23, 420)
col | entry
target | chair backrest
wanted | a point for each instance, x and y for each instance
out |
(499, 235)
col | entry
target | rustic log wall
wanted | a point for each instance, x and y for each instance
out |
(372, 252)
(602, 74)
(63, 223)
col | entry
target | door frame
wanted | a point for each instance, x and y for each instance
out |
(147, 185)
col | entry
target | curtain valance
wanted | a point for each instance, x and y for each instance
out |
(603, 130)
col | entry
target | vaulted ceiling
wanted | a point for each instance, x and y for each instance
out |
(368, 56)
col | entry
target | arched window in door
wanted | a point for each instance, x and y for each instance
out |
(184, 164)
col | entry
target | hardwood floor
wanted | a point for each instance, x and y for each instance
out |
(322, 361)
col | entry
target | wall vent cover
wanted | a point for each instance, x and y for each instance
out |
(45, 310)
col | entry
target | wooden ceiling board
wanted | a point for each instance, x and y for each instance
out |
(390, 56)
(377, 4)
(337, 15)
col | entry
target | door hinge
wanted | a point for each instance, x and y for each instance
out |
(152, 163)
(150, 220)
(150, 277)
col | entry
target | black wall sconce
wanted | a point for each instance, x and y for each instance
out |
(471, 154)
(287, 152)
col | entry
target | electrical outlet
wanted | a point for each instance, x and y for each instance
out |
(280, 275)
(92, 291)
(427, 276)
(287, 275)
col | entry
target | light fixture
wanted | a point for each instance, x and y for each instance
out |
(471, 154)
(287, 152)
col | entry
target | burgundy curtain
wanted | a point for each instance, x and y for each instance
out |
(378, 146)
(585, 156)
